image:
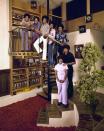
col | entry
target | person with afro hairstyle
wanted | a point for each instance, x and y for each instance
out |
(35, 29)
(44, 31)
(61, 37)
(24, 32)
(69, 60)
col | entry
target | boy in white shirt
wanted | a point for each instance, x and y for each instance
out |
(62, 82)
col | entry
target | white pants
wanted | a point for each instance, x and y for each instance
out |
(62, 92)
(38, 49)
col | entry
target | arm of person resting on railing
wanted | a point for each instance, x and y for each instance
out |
(52, 35)
(36, 30)
(53, 39)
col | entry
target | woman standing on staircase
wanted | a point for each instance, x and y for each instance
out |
(62, 82)
(52, 33)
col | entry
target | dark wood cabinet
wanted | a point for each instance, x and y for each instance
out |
(4, 82)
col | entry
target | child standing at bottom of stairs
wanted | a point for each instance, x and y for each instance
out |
(62, 82)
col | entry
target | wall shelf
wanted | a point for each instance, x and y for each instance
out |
(26, 78)
(23, 10)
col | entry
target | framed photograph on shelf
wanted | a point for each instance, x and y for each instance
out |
(78, 50)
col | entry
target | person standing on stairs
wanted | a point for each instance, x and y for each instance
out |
(62, 82)
(44, 31)
(61, 37)
(35, 29)
(69, 60)
(52, 33)
(24, 32)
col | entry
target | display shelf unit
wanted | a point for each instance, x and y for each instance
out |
(27, 77)
(45, 74)
(18, 13)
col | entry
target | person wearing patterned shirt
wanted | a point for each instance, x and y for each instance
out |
(36, 28)
(61, 37)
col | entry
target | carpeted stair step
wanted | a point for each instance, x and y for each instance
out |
(61, 108)
(52, 83)
(43, 117)
(53, 111)
(51, 80)
(45, 90)
(54, 90)
(53, 77)
(43, 95)
(52, 73)
(51, 69)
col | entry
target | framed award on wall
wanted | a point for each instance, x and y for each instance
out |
(88, 18)
(78, 50)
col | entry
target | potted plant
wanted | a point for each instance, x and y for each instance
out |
(90, 77)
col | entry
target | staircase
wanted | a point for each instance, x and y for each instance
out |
(53, 115)
(52, 86)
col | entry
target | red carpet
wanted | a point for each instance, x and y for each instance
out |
(22, 116)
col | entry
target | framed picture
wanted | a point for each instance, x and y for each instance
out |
(82, 29)
(78, 50)
(88, 18)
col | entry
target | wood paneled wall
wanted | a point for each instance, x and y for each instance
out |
(97, 22)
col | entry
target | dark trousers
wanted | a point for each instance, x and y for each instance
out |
(50, 54)
(70, 79)
(55, 48)
(60, 49)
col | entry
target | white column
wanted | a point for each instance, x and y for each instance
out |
(63, 5)
(88, 7)
(4, 35)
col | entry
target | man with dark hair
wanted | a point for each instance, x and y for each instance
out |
(36, 28)
(26, 15)
(46, 18)
(61, 37)
(44, 31)
(68, 58)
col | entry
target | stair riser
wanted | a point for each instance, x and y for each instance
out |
(53, 97)
(67, 120)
